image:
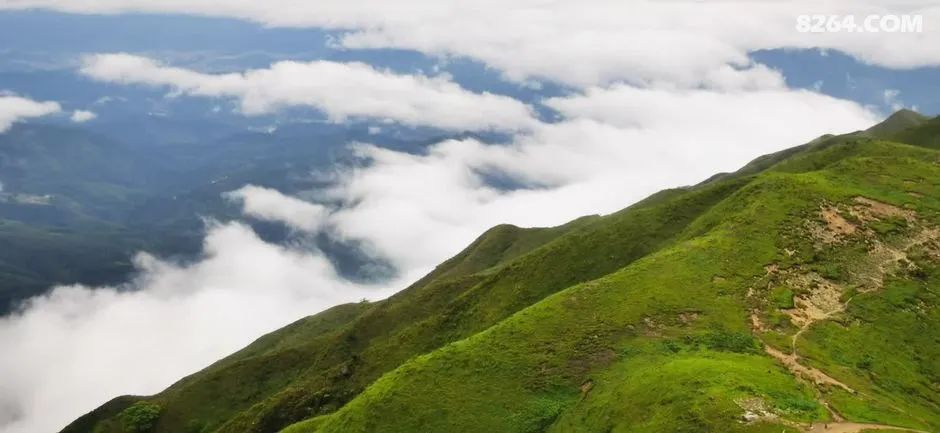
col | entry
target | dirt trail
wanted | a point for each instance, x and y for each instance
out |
(809, 373)
(792, 363)
(851, 427)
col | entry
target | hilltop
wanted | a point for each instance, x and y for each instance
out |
(797, 293)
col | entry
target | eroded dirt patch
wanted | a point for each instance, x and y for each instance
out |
(821, 300)
(870, 210)
(836, 223)
(818, 298)
(688, 317)
(834, 228)
(875, 240)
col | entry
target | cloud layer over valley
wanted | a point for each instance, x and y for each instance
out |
(416, 210)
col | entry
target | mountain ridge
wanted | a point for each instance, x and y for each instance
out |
(542, 329)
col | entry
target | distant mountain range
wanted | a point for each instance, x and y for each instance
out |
(77, 203)
(798, 294)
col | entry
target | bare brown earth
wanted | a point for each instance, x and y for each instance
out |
(821, 299)
(835, 227)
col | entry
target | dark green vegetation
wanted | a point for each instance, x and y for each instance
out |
(801, 289)
(141, 417)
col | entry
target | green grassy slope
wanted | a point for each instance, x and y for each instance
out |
(426, 317)
(463, 296)
(927, 135)
(680, 313)
(273, 361)
(901, 120)
(665, 344)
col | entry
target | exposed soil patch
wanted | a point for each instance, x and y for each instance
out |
(586, 388)
(839, 223)
(651, 328)
(821, 301)
(929, 239)
(836, 223)
(688, 317)
(756, 324)
(886, 254)
(835, 227)
(871, 210)
(884, 261)
(821, 298)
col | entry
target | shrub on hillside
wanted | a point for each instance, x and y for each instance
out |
(141, 417)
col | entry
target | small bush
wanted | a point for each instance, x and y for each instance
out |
(782, 297)
(731, 342)
(830, 271)
(889, 226)
(671, 346)
(141, 417)
(794, 404)
(866, 362)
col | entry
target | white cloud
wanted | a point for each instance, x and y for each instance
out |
(15, 108)
(616, 146)
(892, 98)
(104, 100)
(82, 116)
(341, 90)
(76, 348)
(583, 43)
(270, 205)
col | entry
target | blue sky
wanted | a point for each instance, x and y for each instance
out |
(842, 76)
(42, 64)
